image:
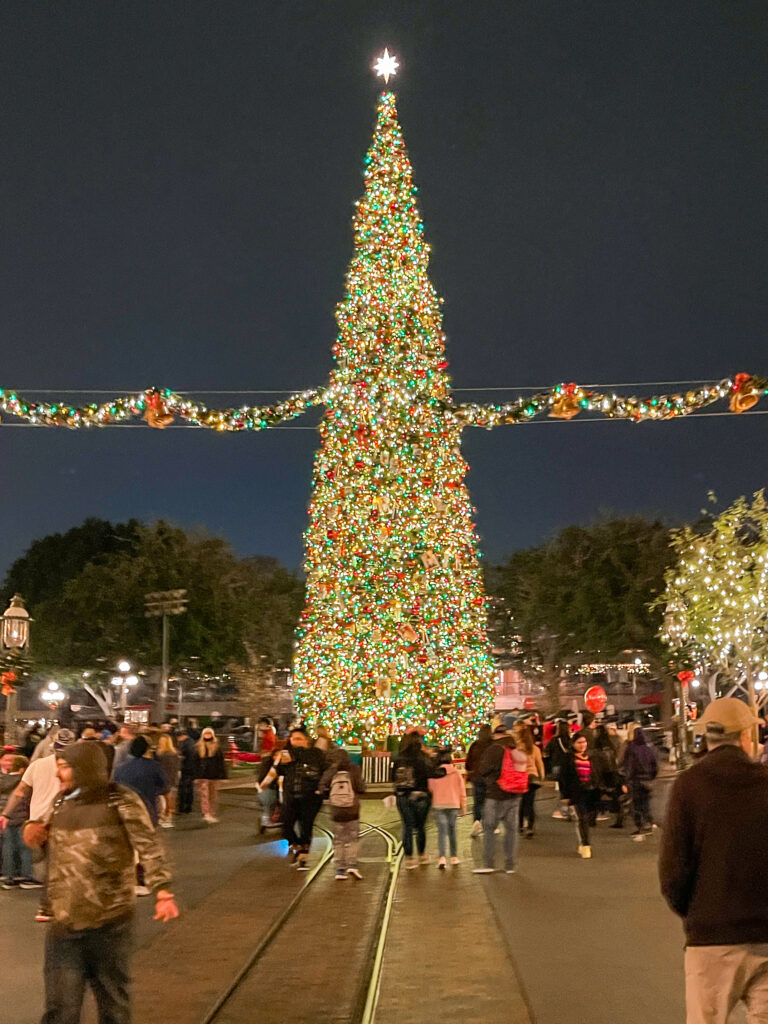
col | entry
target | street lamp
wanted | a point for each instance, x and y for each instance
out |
(14, 641)
(125, 680)
(52, 695)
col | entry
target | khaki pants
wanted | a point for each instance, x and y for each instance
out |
(717, 978)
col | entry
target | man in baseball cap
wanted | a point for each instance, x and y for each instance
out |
(713, 868)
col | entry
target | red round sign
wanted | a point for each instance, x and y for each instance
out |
(529, 704)
(595, 699)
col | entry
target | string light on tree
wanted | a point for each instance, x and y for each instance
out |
(393, 633)
(717, 596)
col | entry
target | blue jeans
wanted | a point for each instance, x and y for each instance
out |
(494, 812)
(414, 808)
(17, 858)
(267, 800)
(445, 819)
(479, 788)
(96, 956)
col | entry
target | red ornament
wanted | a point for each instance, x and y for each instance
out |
(595, 699)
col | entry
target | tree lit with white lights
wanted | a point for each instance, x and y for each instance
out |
(717, 595)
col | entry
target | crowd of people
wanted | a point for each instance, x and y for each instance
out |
(72, 803)
(163, 764)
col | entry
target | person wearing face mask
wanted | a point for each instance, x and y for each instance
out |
(301, 767)
(209, 768)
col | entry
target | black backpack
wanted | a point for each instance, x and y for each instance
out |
(404, 778)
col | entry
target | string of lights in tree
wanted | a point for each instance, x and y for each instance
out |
(160, 408)
(716, 599)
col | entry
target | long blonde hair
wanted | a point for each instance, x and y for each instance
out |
(207, 748)
(165, 744)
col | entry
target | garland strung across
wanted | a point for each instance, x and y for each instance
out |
(564, 401)
(159, 409)
(567, 400)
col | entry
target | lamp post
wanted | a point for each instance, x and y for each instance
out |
(165, 603)
(14, 640)
(676, 626)
(125, 680)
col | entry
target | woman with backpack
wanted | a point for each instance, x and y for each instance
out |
(580, 784)
(410, 773)
(449, 800)
(640, 769)
(343, 782)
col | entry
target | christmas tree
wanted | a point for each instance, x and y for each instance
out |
(393, 631)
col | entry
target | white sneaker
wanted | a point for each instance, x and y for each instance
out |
(497, 830)
(411, 863)
(477, 829)
(559, 814)
(510, 871)
(424, 858)
(586, 852)
(483, 871)
(602, 817)
(142, 890)
(166, 824)
(354, 873)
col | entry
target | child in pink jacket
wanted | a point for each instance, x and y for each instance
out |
(449, 798)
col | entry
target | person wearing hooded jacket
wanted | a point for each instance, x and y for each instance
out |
(95, 825)
(640, 769)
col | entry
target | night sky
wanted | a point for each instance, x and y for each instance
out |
(178, 182)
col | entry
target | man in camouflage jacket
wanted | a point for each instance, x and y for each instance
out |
(95, 831)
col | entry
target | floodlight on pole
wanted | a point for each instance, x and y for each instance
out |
(164, 603)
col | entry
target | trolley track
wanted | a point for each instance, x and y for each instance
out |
(369, 907)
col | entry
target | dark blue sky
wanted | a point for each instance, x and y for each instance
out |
(177, 188)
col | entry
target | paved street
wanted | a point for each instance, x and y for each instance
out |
(561, 940)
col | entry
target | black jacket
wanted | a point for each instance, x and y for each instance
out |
(571, 786)
(712, 865)
(302, 774)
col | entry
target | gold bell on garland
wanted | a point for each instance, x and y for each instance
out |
(567, 403)
(743, 397)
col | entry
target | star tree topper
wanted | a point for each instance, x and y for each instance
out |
(386, 66)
